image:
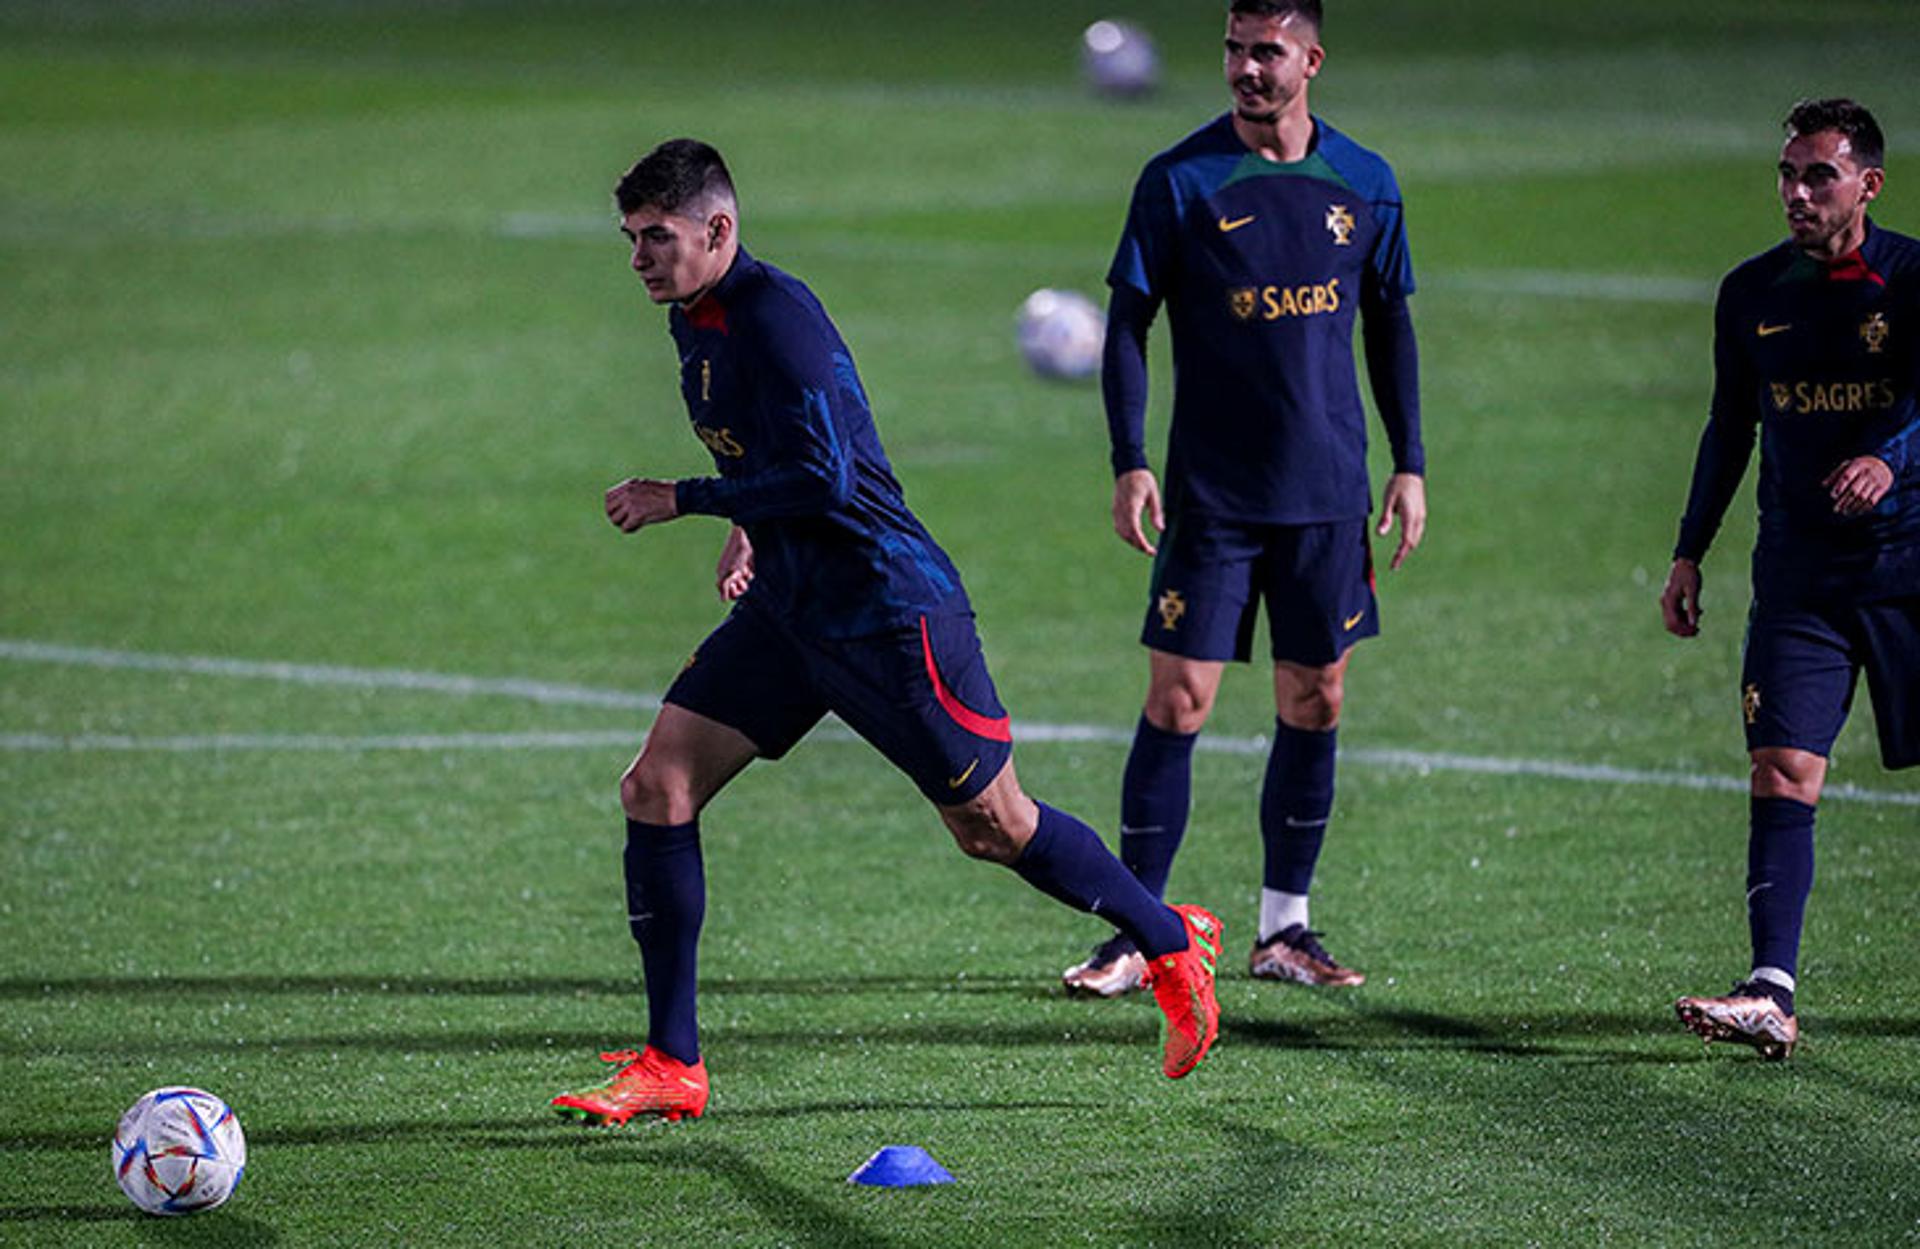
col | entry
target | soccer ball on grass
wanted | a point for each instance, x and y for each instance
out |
(179, 1150)
(1061, 333)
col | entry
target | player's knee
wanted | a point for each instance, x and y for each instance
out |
(1179, 708)
(1791, 774)
(979, 835)
(652, 794)
(1314, 706)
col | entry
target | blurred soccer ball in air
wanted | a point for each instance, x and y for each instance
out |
(1061, 333)
(1119, 59)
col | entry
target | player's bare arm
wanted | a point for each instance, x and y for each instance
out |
(735, 571)
(1680, 600)
(1858, 485)
(1136, 493)
(1405, 501)
(640, 501)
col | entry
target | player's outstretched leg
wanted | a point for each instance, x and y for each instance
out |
(1758, 1013)
(1183, 987)
(649, 1082)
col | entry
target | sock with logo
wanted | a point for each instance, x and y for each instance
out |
(666, 904)
(1156, 792)
(1295, 802)
(1779, 878)
(1067, 861)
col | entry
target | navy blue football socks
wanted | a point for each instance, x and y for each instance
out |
(1779, 878)
(1067, 861)
(1295, 802)
(666, 903)
(1156, 792)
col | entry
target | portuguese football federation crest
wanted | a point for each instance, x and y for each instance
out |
(1171, 607)
(1873, 332)
(1750, 702)
(1340, 225)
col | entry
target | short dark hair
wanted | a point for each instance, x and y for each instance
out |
(675, 175)
(1848, 118)
(1308, 9)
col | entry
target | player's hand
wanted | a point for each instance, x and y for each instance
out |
(1858, 485)
(1135, 491)
(1680, 600)
(1405, 498)
(735, 572)
(641, 501)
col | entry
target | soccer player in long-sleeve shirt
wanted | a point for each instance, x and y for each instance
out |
(1263, 234)
(1816, 349)
(842, 602)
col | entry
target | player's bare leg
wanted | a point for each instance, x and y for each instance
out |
(1758, 1011)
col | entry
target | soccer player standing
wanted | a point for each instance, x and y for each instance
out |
(1816, 345)
(1263, 232)
(842, 603)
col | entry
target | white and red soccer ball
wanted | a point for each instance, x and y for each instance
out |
(179, 1150)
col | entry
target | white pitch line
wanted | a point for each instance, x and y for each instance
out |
(328, 674)
(573, 695)
(189, 744)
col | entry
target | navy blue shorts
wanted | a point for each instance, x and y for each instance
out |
(921, 695)
(1210, 575)
(1801, 666)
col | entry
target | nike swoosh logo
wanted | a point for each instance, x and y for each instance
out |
(961, 779)
(1353, 620)
(1768, 331)
(1228, 227)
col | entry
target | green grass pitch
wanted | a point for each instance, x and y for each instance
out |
(317, 348)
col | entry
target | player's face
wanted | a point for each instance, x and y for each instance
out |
(1268, 63)
(1825, 191)
(677, 257)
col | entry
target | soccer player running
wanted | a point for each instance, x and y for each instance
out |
(1263, 232)
(842, 603)
(1816, 343)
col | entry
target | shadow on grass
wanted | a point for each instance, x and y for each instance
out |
(798, 1217)
(215, 1228)
(30, 988)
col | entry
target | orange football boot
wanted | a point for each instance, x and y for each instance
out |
(650, 1083)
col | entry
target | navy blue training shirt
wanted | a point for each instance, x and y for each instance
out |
(1821, 359)
(771, 390)
(1262, 266)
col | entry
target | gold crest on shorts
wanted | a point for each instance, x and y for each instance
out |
(1171, 607)
(1750, 702)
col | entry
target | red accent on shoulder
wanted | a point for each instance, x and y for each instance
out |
(707, 313)
(1853, 267)
(1000, 730)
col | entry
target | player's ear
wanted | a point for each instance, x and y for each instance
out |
(719, 229)
(1871, 181)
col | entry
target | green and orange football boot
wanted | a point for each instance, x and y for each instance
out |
(648, 1083)
(1183, 986)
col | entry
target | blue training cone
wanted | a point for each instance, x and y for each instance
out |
(900, 1166)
